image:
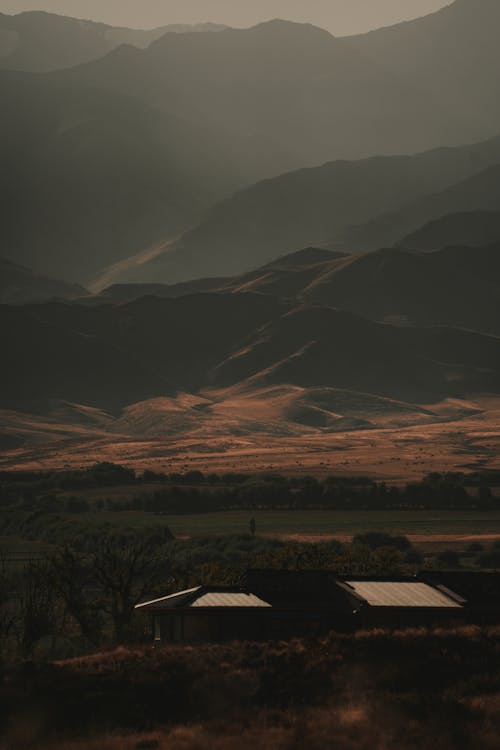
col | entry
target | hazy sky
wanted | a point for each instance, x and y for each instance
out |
(339, 16)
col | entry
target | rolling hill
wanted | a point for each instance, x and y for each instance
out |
(39, 42)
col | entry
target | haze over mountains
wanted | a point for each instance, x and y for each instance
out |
(38, 42)
(200, 115)
(324, 205)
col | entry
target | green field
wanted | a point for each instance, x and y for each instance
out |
(331, 523)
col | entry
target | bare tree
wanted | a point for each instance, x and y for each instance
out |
(73, 578)
(126, 569)
(38, 613)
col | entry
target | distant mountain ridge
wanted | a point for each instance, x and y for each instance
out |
(481, 191)
(39, 42)
(471, 228)
(325, 205)
(162, 134)
(89, 178)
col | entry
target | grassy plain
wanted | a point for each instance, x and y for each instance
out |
(422, 527)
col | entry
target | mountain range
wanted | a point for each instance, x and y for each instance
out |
(90, 177)
(39, 42)
(247, 231)
(215, 152)
(294, 322)
(331, 205)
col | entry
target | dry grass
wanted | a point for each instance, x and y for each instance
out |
(233, 438)
(376, 690)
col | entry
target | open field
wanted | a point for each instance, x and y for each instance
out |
(429, 530)
(394, 454)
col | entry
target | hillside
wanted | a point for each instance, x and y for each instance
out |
(109, 357)
(39, 42)
(305, 97)
(19, 286)
(471, 228)
(286, 276)
(319, 346)
(89, 178)
(146, 142)
(452, 53)
(310, 206)
(480, 192)
(414, 288)
(392, 285)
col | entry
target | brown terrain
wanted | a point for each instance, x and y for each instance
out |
(249, 432)
(316, 363)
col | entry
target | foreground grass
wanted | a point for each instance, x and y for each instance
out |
(436, 689)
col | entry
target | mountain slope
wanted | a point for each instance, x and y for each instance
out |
(472, 228)
(89, 178)
(318, 346)
(309, 206)
(481, 192)
(453, 54)
(456, 287)
(280, 95)
(288, 95)
(19, 286)
(39, 42)
(109, 357)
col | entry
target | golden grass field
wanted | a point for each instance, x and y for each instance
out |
(250, 433)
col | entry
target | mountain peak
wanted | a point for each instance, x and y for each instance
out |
(283, 26)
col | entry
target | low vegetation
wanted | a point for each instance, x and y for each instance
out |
(346, 692)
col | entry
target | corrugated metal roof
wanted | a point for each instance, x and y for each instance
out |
(228, 599)
(401, 594)
(171, 600)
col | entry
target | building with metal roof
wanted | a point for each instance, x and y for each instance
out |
(207, 613)
(400, 603)
(400, 594)
(277, 604)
